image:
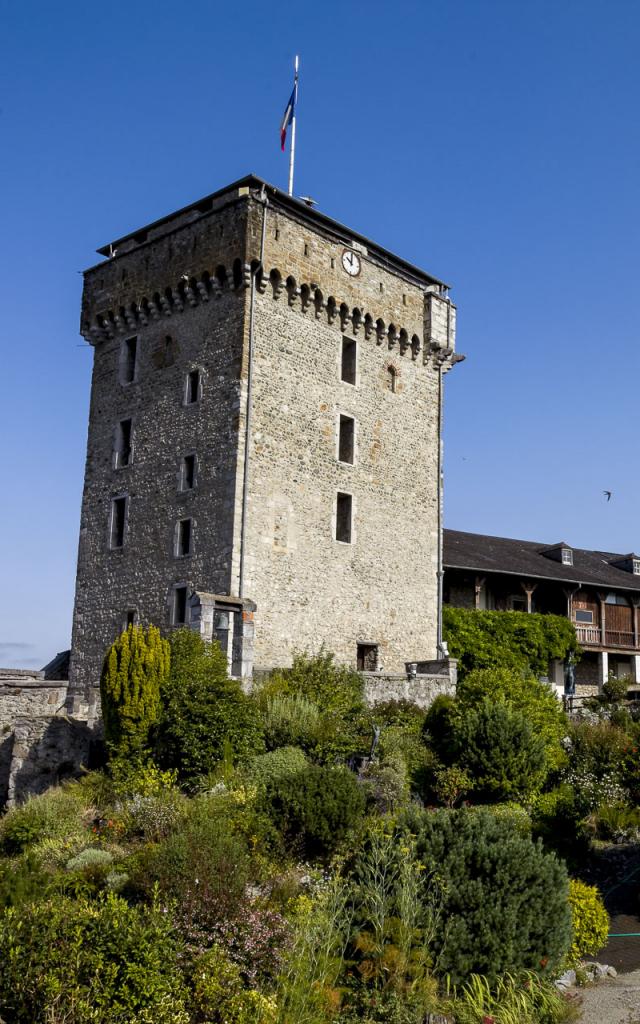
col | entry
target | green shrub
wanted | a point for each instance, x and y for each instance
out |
(275, 764)
(152, 817)
(205, 714)
(596, 769)
(386, 782)
(439, 729)
(512, 813)
(401, 724)
(315, 809)
(89, 963)
(510, 640)
(558, 819)
(345, 726)
(23, 880)
(219, 996)
(89, 859)
(524, 998)
(135, 667)
(618, 822)
(290, 720)
(451, 784)
(56, 814)
(614, 691)
(589, 920)
(505, 900)
(525, 694)
(500, 751)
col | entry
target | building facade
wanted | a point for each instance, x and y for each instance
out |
(599, 592)
(263, 450)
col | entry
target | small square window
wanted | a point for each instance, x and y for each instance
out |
(188, 473)
(348, 362)
(184, 537)
(123, 450)
(344, 506)
(567, 556)
(128, 360)
(193, 388)
(117, 523)
(179, 606)
(584, 616)
(636, 566)
(346, 439)
(367, 657)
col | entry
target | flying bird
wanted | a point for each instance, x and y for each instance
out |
(608, 495)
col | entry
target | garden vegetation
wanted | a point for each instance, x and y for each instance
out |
(244, 859)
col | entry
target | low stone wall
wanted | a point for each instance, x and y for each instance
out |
(39, 743)
(430, 680)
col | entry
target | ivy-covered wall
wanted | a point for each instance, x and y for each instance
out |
(507, 639)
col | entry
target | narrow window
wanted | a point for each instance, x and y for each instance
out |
(343, 518)
(192, 393)
(348, 367)
(179, 609)
(636, 566)
(128, 357)
(567, 556)
(188, 473)
(367, 657)
(131, 618)
(346, 439)
(117, 523)
(184, 537)
(392, 379)
(123, 444)
(306, 249)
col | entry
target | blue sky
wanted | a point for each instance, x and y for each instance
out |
(493, 143)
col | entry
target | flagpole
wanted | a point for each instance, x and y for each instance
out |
(292, 153)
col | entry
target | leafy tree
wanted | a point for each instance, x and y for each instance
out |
(205, 715)
(513, 640)
(135, 667)
(505, 901)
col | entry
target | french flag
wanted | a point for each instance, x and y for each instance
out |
(289, 115)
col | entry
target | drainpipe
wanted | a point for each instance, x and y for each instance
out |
(262, 198)
(441, 652)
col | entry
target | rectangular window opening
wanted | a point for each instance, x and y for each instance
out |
(188, 473)
(346, 439)
(129, 358)
(585, 617)
(192, 394)
(179, 611)
(367, 657)
(348, 366)
(184, 537)
(123, 444)
(118, 520)
(343, 517)
(131, 617)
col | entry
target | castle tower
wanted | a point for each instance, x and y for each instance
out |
(263, 450)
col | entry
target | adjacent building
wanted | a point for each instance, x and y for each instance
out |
(599, 591)
(263, 458)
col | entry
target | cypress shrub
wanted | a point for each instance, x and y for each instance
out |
(135, 666)
(505, 900)
(314, 809)
(501, 753)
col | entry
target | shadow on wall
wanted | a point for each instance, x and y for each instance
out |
(44, 752)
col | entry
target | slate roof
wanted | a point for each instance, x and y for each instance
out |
(525, 558)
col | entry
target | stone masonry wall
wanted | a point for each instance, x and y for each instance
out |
(309, 588)
(142, 573)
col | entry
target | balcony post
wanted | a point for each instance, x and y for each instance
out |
(635, 622)
(479, 584)
(603, 625)
(528, 588)
(603, 661)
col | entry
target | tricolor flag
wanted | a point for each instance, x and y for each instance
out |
(288, 116)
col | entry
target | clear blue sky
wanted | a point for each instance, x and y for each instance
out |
(494, 143)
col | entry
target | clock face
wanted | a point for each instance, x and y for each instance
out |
(351, 262)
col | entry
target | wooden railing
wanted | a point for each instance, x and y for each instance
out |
(588, 634)
(613, 637)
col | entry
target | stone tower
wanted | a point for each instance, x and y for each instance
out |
(263, 449)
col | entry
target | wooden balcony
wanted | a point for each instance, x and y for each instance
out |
(591, 636)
